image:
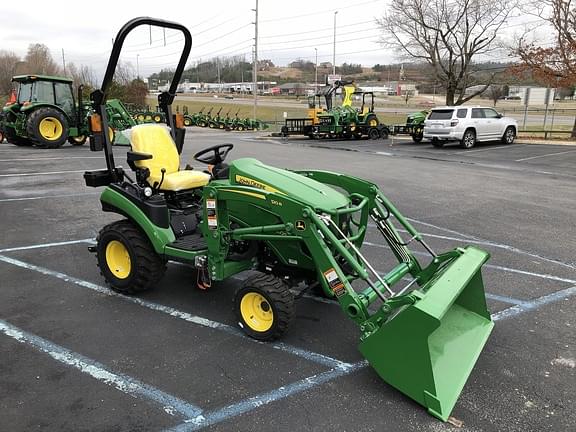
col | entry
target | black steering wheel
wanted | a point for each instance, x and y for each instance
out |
(217, 154)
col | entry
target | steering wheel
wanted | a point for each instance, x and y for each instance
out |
(214, 155)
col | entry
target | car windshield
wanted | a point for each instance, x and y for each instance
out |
(441, 114)
(25, 92)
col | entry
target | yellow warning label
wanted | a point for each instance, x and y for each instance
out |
(246, 181)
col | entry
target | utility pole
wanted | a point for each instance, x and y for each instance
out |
(334, 50)
(218, 69)
(255, 60)
(138, 66)
(316, 73)
(63, 62)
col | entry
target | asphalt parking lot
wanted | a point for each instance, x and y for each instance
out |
(78, 357)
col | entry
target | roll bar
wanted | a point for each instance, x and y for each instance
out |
(165, 99)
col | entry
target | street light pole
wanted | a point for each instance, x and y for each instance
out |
(316, 73)
(334, 50)
(255, 74)
(137, 66)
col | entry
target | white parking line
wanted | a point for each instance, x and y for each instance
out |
(41, 173)
(185, 316)
(465, 152)
(50, 158)
(544, 155)
(48, 196)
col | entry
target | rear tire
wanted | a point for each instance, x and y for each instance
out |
(384, 133)
(264, 306)
(47, 127)
(126, 258)
(158, 118)
(372, 120)
(187, 121)
(373, 134)
(418, 136)
(469, 139)
(509, 135)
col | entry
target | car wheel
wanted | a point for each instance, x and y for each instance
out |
(469, 139)
(509, 135)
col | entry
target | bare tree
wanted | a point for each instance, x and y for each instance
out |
(552, 64)
(496, 92)
(38, 60)
(448, 35)
(8, 63)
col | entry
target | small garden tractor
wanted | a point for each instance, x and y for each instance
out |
(414, 126)
(422, 327)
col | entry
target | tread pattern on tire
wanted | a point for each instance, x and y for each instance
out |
(147, 267)
(32, 126)
(281, 297)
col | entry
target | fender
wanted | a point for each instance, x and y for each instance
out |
(152, 218)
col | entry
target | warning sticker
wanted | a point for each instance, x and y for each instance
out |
(211, 203)
(334, 282)
(212, 222)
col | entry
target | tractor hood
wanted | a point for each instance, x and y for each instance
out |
(253, 173)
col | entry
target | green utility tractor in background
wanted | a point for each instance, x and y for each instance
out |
(421, 325)
(45, 113)
(345, 121)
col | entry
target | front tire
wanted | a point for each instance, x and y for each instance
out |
(509, 135)
(77, 140)
(469, 139)
(126, 258)
(47, 127)
(264, 306)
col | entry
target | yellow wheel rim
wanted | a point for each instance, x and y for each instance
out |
(256, 312)
(50, 128)
(157, 119)
(118, 259)
(79, 138)
(373, 123)
(352, 127)
(140, 117)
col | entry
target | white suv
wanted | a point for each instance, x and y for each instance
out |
(468, 125)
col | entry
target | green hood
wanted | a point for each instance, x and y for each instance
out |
(252, 172)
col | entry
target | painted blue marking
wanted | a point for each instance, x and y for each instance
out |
(202, 421)
(300, 352)
(534, 304)
(170, 404)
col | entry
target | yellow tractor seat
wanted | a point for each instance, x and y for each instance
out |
(155, 140)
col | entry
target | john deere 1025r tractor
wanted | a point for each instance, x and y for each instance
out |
(421, 327)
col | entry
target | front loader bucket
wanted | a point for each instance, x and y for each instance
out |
(429, 348)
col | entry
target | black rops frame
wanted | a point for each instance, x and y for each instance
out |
(165, 99)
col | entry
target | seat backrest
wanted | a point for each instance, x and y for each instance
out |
(155, 140)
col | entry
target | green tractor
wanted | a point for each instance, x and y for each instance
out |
(414, 126)
(345, 121)
(421, 327)
(45, 113)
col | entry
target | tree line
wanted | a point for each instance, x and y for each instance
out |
(39, 61)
